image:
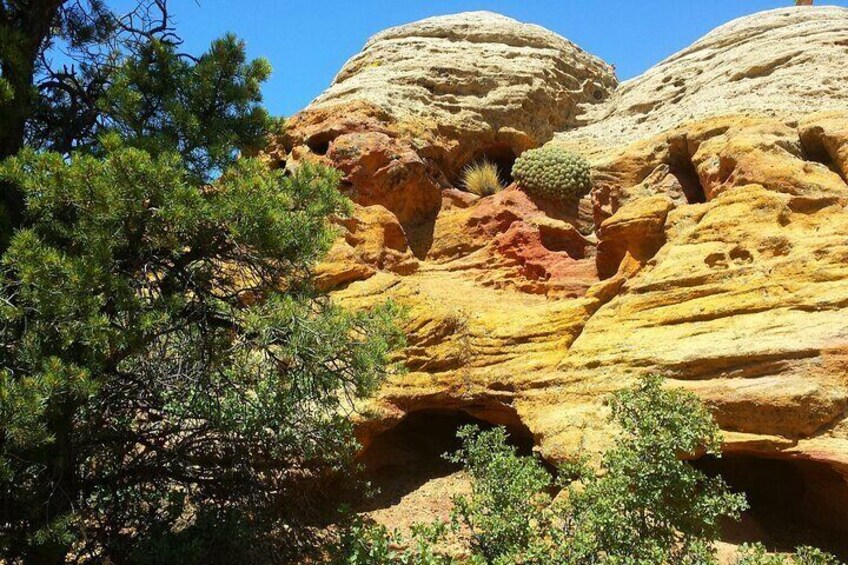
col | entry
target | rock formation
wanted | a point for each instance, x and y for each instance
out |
(421, 101)
(782, 63)
(713, 248)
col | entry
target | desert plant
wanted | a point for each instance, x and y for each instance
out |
(552, 172)
(756, 554)
(507, 512)
(482, 178)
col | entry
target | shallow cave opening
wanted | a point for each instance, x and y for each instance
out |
(409, 455)
(681, 166)
(319, 143)
(815, 151)
(500, 154)
(561, 240)
(792, 502)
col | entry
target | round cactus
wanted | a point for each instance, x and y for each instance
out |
(553, 172)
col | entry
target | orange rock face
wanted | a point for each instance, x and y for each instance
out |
(513, 241)
(714, 253)
(520, 312)
(739, 298)
(422, 101)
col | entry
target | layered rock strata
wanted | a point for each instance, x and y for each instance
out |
(713, 248)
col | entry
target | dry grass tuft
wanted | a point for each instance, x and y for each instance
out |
(481, 178)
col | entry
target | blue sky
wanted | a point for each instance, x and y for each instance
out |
(308, 41)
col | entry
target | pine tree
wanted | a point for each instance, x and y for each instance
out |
(168, 377)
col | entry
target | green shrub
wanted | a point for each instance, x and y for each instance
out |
(507, 513)
(552, 172)
(648, 506)
(756, 554)
(481, 178)
(364, 543)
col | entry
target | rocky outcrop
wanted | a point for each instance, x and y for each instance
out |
(783, 63)
(713, 248)
(473, 72)
(740, 298)
(421, 101)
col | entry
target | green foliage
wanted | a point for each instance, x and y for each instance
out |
(482, 178)
(49, 105)
(647, 506)
(49, 101)
(121, 73)
(150, 363)
(172, 388)
(507, 513)
(204, 109)
(552, 172)
(756, 554)
(362, 543)
(214, 536)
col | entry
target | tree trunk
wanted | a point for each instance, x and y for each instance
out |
(26, 29)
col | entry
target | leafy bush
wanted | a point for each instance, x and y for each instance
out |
(362, 543)
(482, 178)
(647, 507)
(552, 172)
(649, 504)
(756, 554)
(507, 513)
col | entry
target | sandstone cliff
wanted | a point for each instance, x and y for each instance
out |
(713, 248)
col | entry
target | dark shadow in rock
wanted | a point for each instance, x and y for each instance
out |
(319, 143)
(500, 154)
(815, 151)
(402, 459)
(568, 241)
(567, 210)
(792, 502)
(681, 166)
(419, 236)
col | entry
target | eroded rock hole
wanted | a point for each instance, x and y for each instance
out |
(564, 240)
(405, 458)
(815, 151)
(681, 166)
(319, 143)
(501, 155)
(792, 502)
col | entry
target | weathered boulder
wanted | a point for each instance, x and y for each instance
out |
(741, 298)
(371, 239)
(781, 63)
(475, 72)
(421, 101)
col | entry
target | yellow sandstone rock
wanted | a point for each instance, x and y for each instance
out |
(712, 250)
